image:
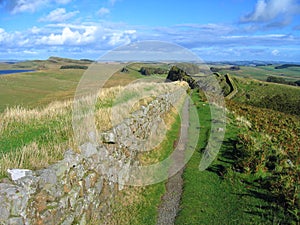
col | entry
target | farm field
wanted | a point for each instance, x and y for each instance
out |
(263, 72)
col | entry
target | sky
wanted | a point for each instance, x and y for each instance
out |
(215, 30)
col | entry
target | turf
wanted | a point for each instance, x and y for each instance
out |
(216, 195)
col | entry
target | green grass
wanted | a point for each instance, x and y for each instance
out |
(258, 90)
(279, 97)
(216, 195)
(262, 72)
(42, 132)
(36, 89)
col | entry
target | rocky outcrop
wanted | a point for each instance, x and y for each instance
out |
(79, 187)
(177, 73)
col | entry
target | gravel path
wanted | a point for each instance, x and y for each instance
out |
(169, 206)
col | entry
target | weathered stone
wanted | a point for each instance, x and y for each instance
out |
(16, 174)
(40, 201)
(6, 181)
(4, 209)
(88, 149)
(68, 220)
(71, 158)
(28, 183)
(60, 169)
(79, 171)
(19, 203)
(56, 191)
(47, 176)
(98, 186)
(48, 217)
(73, 196)
(15, 221)
(109, 138)
(83, 220)
(79, 208)
(63, 203)
(90, 181)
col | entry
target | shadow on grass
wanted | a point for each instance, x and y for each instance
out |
(268, 210)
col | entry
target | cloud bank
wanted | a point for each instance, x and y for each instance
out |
(274, 13)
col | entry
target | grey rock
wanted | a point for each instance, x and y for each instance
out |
(28, 183)
(16, 174)
(71, 158)
(68, 220)
(83, 220)
(4, 209)
(79, 208)
(63, 203)
(15, 221)
(47, 176)
(19, 203)
(88, 149)
(60, 168)
(88, 180)
(109, 138)
(73, 196)
(98, 186)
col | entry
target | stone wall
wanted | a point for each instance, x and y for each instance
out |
(74, 190)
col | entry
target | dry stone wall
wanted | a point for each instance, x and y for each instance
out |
(79, 187)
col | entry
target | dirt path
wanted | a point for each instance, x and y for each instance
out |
(169, 206)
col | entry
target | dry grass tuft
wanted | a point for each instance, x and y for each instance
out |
(35, 138)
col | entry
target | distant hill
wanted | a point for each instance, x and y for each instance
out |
(285, 66)
(54, 59)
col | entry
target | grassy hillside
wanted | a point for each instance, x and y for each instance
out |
(283, 98)
(263, 72)
(37, 89)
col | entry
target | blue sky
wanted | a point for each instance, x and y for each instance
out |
(214, 30)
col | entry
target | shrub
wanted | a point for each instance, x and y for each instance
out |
(73, 67)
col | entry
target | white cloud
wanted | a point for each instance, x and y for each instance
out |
(19, 6)
(30, 52)
(268, 10)
(103, 11)
(35, 30)
(5, 37)
(69, 37)
(63, 2)
(59, 15)
(2, 35)
(121, 37)
(27, 5)
(275, 52)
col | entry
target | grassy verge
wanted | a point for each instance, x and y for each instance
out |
(217, 195)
